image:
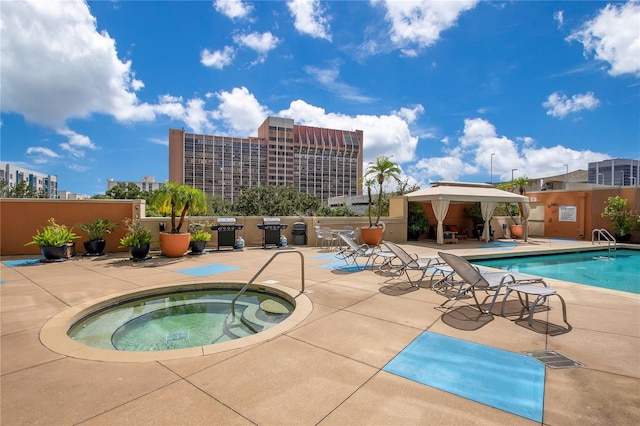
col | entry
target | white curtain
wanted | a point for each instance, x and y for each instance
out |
(440, 208)
(487, 208)
(526, 211)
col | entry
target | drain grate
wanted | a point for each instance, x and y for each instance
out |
(553, 359)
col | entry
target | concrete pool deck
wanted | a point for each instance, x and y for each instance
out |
(329, 368)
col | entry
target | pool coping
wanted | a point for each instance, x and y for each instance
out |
(54, 333)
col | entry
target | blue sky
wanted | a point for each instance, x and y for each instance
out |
(90, 90)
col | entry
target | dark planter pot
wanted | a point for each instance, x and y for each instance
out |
(94, 247)
(140, 253)
(623, 238)
(54, 254)
(197, 247)
(413, 235)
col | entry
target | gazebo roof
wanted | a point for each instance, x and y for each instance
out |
(465, 192)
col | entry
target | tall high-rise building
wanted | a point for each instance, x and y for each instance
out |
(616, 172)
(317, 161)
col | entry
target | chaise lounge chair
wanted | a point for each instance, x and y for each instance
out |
(352, 251)
(471, 279)
(411, 262)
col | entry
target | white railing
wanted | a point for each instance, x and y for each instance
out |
(601, 235)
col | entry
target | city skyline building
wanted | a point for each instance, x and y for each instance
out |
(615, 172)
(319, 161)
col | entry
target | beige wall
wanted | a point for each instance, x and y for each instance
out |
(20, 218)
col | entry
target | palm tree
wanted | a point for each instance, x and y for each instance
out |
(382, 170)
(175, 198)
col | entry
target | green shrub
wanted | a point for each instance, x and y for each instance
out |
(53, 235)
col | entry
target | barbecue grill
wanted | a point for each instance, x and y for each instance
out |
(227, 228)
(271, 228)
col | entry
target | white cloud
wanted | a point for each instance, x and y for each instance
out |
(383, 134)
(82, 66)
(41, 151)
(421, 22)
(240, 111)
(218, 59)
(614, 37)
(309, 18)
(559, 105)
(328, 77)
(261, 43)
(473, 155)
(559, 18)
(233, 8)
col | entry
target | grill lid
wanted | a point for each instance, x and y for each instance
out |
(271, 220)
(226, 220)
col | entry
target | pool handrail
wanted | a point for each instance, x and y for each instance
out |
(603, 234)
(246, 286)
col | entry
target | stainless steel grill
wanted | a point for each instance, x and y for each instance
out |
(227, 228)
(271, 228)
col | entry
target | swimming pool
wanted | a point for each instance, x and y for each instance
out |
(617, 270)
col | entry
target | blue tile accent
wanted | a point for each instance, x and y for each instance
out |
(501, 379)
(202, 271)
(21, 262)
(341, 265)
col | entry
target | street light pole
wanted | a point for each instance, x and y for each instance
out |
(512, 170)
(492, 154)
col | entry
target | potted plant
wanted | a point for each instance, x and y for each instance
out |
(53, 241)
(96, 231)
(177, 199)
(138, 239)
(378, 171)
(199, 239)
(417, 221)
(616, 210)
(519, 184)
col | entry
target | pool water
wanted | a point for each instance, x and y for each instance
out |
(178, 320)
(618, 270)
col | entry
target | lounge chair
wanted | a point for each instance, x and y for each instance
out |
(471, 279)
(411, 262)
(353, 251)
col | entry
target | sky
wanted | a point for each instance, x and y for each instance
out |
(473, 91)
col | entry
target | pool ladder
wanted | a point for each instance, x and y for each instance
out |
(601, 235)
(251, 281)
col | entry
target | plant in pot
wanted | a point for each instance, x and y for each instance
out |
(53, 241)
(380, 171)
(518, 184)
(177, 199)
(617, 210)
(96, 231)
(138, 239)
(199, 239)
(417, 221)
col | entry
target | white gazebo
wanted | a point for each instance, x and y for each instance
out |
(441, 194)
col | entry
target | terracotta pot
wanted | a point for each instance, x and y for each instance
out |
(371, 236)
(516, 231)
(174, 245)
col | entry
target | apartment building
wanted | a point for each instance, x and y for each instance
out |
(37, 181)
(319, 161)
(148, 183)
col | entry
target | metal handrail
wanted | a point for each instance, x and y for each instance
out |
(605, 235)
(302, 290)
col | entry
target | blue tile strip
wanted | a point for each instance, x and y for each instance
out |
(501, 379)
(21, 262)
(202, 271)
